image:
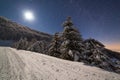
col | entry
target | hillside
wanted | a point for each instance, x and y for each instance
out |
(25, 65)
(13, 31)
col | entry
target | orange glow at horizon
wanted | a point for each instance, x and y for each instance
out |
(114, 46)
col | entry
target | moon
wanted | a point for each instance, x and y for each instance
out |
(29, 15)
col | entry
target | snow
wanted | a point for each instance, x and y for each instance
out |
(25, 65)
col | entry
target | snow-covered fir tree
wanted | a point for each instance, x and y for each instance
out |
(94, 54)
(21, 44)
(54, 47)
(38, 46)
(72, 46)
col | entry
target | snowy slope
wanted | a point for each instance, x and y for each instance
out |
(25, 65)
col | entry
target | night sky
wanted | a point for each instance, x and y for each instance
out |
(99, 19)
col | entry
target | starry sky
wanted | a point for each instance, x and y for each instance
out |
(99, 19)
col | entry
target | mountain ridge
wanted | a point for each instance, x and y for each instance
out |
(13, 31)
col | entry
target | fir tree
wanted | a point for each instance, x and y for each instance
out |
(38, 46)
(71, 46)
(54, 46)
(21, 44)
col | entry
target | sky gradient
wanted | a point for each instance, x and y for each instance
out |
(98, 19)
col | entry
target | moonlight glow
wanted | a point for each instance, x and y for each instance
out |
(28, 15)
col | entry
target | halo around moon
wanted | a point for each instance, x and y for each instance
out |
(28, 15)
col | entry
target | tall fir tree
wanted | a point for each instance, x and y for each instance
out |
(72, 46)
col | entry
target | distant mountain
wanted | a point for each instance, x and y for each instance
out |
(10, 30)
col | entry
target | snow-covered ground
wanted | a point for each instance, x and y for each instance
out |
(25, 65)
